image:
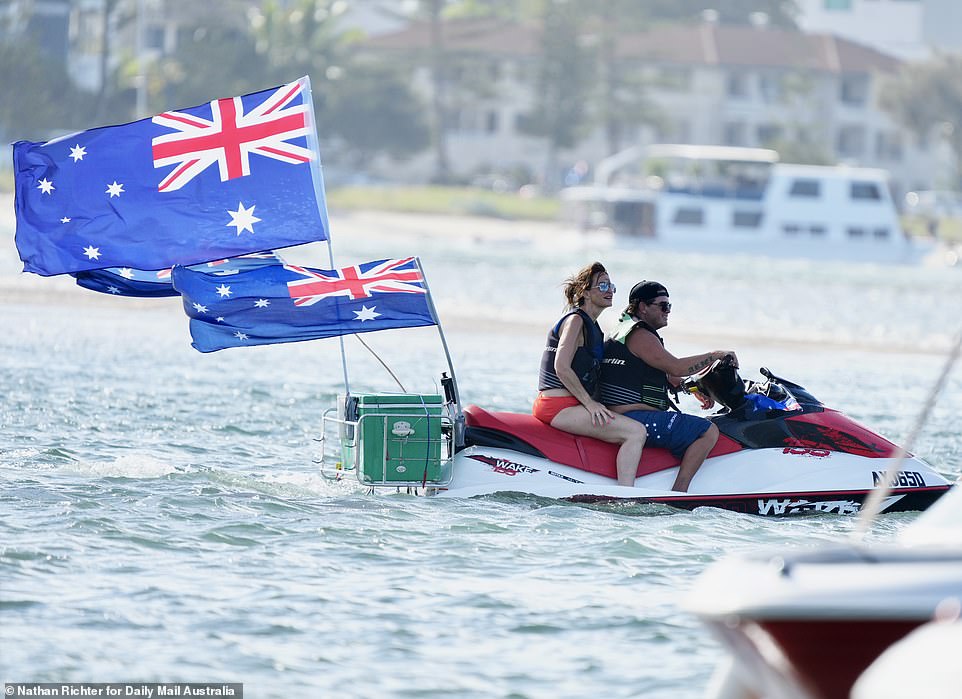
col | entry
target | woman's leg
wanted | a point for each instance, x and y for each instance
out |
(631, 435)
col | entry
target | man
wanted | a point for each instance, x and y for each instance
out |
(636, 374)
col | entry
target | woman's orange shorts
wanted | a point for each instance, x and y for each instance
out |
(546, 407)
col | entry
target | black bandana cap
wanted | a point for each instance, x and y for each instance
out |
(647, 291)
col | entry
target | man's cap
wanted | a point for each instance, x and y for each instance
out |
(647, 291)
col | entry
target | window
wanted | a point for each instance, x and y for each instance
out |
(865, 190)
(817, 230)
(805, 188)
(881, 233)
(689, 216)
(734, 133)
(856, 232)
(768, 134)
(523, 123)
(738, 85)
(747, 219)
(791, 228)
(888, 145)
(154, 37)
(853, 90)
(770, 87)
(851, 140)
(491, 122)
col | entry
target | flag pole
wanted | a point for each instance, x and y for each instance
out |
(456, 395)
(319, 197)
(340, 338)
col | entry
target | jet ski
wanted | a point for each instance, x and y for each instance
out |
(798, 457)
(780, 452)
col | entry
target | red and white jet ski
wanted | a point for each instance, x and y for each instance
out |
(801, 459)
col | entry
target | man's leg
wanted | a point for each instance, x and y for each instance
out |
(694, 457)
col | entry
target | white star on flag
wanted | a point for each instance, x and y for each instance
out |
(224, 291)
(126, 273)
(200, 308)
(92, 253)
(45, 186)
(113, 289)
(114, 189)
(262, 303)
(240, 336)
(65, 219)
(366, 313)
(78, 152)
(243, 219)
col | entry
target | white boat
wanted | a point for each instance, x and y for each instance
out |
(806, 624)
(743, 200)
(804, 459)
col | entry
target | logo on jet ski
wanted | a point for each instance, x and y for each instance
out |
(789, 506)
(806, 451)
(503, 466)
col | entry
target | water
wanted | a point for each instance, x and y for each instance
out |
(161, 518)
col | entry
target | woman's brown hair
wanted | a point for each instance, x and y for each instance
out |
(576, 286)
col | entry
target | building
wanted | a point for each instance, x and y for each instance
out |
(713, 84)
(909, 29)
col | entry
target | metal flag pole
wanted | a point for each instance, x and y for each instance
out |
(455, 394)
(319, 197)
(340, 338)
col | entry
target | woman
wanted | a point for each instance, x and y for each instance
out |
(569, 373)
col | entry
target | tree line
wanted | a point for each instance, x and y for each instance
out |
(365, 103)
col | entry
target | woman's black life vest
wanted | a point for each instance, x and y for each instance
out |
(626, 379)
(587, 359)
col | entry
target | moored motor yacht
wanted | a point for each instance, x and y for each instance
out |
(743, 200)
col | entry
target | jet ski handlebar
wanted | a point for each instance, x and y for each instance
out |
(722, 383)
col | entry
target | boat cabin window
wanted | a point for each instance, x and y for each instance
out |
(791, 228)
(747, 219)
(856, 232)
(881, 233)
(817, 230)
(690, 216)
(805, 188)
(865, 190)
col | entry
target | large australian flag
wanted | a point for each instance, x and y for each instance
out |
(229, 177)
(286, 303)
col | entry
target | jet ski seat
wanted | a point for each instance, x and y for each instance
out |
(527, 434)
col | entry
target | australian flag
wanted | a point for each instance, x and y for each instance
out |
(126, 281)
(286, 303)
(230, 177)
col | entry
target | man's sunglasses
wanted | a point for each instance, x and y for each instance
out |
(605, 287)
(665, 306)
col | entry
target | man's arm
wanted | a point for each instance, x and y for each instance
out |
(646, 347)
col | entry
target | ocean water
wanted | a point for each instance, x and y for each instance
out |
(162, 518)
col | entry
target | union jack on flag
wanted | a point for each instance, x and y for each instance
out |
(146, 195)
(230, 136)
(357, 281)
(286, 303)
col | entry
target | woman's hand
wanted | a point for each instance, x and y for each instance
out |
(600, 415)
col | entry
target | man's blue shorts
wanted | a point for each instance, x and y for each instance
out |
(671, 430)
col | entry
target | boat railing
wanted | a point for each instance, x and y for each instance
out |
(387, 448)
